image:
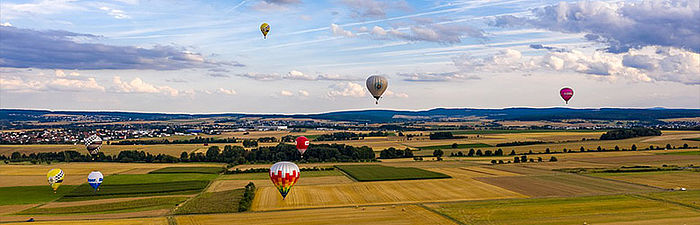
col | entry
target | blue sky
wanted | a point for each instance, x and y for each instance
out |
(209, 56)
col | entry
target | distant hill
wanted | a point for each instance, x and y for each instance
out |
(376, 116)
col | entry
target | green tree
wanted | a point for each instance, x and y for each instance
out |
(582, 149)
(668, 146)
(438, 153)
(512, 152)
(455, 145)
(471, 152)
(617, 148)
(553, 159)
(516, 159)
(634, 147)
(479, 153)
(183, 157)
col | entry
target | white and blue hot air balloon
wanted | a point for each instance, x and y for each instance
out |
(95, 179)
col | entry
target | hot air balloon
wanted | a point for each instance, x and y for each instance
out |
(284, 175)
(302, 144)
(93, 144)
(264, 28)
(55, 177)
(95, 179)
(376, 86)
(566, 93)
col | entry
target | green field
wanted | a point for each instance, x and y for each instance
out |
(134, 205)
(689, 198)
(691, 139)
(265, 176)
(31, 194)
(381, 173)
(205, 170)
(213, 202)
(154, 178)
(579, 210)
(84, 192)
(680, 153)
(459, 146)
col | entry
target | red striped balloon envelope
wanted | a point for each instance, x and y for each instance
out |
(284, 175)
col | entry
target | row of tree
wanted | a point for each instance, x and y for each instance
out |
(478, 152)
(196, 140)
(629, 133)
(392, 153)
(230, 154)
(343, 136)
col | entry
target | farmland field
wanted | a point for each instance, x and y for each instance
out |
(459, 146)
(85, 192)
(381, 173)
(472, 190)
(408, 214)
(690, 198)
(140, 204)
(212, 202)
(382, 192)
(136, 221)
(206, 170)
(31, 194)
(562, 185)
(661, 179)
(590, 210)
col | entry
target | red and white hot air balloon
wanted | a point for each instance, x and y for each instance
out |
(302, 144)
(566, 93)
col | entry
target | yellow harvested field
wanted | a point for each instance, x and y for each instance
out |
(471, 172)
(225, 185)
(90, 218)
(34, 180)
(56, 204)
(383, 192)
(685, 221)
(139, 221)
(662, 179)
(170, 149)
(400, 214)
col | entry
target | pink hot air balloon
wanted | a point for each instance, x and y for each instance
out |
(566, 93)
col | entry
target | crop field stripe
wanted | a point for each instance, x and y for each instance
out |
(667, 201)
(621, 181)
(189, 199)
(442, 214)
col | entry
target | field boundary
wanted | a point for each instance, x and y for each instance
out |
(602, 178)
(441, 214)
(172, 211)
(667, 201)
(347, 175)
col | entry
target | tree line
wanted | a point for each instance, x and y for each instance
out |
(196, 140)
(629, 133)
(343, 136)
(230, 154)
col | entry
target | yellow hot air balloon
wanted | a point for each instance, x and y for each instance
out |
(265, 28)
(55, 177)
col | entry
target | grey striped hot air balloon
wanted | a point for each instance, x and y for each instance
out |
(93, 144)
(376, 86)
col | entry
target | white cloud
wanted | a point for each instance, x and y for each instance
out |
(6, 24)
(651, 63)
(261, 76)
(621, 25)
(303, 93)
(431, 77)
(339, 31)
(346, 89)
(139, 86)
(15, 84)
(389, 93)
(286, 93)
(296, 75)
(226, 91)
(373, 8)
(116, 13)
(439, 33)
(75, 85)
(337, 77)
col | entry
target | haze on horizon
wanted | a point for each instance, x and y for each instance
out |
(209, 56)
